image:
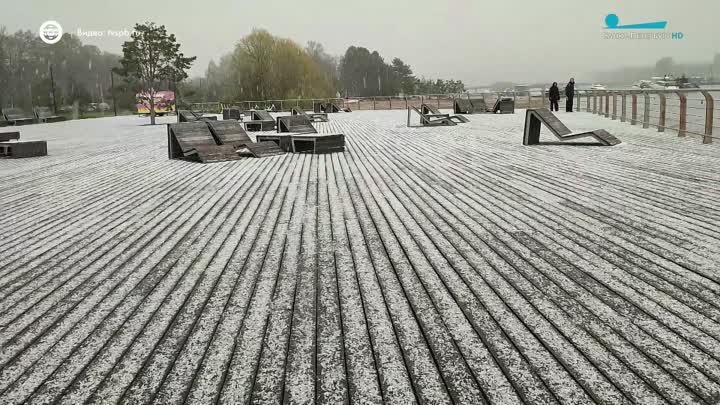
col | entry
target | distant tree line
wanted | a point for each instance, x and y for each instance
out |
(261, 66)
(264, 67)
(81, 72)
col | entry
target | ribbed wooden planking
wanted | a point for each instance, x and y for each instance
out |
(431, 265)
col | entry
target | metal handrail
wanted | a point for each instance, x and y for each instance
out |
(598, 96)
(601, 102)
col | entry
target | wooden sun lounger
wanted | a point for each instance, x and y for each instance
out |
(470, 106)
(45, 114)
(504, 105)
(535, 117)
(431, 112)
(232, 113)
(264, 149)
(295, 123)
(229, 132)
(307, 143)
(434, 120)
(16, 116)
(192, 116)
(315, 117)
(260, 120)
(194, 141)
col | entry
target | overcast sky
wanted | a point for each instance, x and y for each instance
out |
(477, 41)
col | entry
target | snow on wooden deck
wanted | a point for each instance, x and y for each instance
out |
(434, 265)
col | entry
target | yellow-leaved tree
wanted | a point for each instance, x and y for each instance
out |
(267, 67)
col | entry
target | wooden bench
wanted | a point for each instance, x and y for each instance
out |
(23, 149)
(16, 116)
(44, 114)
(535, 117)
(9, 136)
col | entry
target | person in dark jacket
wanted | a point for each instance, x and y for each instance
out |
(569, 94)
(554, 95)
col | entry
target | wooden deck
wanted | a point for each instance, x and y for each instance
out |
(433, 265)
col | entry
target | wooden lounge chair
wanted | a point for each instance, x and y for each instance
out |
(434, 120)
(232, 113)
(192, 116)
(318, 143)
(260, 120)
(194, 141)
(314, 117)
(307, 143)
(295, 123)
(535, 117)
(470, 106)
(432, 112)
(16, 116)
(503, 105)
(45, 114)
(332, 108)
(228, 132)
(264, 149)
(462, 106)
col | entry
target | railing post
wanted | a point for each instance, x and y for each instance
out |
(709, 105)
(614, 108)
(438, 102)
(663, 107)
(406, 103)
(607, 104)
(633, 117)
(594, 96)
(682, 128)
(646, 110)
(390, 99)
(373, 103)
(623, 103)
(587, 102)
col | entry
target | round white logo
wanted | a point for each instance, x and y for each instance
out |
(51, 32)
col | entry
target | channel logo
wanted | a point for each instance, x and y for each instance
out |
(51, 32)
(612, 22)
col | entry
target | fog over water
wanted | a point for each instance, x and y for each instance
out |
(477, 41)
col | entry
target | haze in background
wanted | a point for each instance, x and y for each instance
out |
(476, 41)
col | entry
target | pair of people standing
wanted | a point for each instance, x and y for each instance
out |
(569, 95)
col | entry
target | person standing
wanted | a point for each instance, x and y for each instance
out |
(554, 95)
(569, 94)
